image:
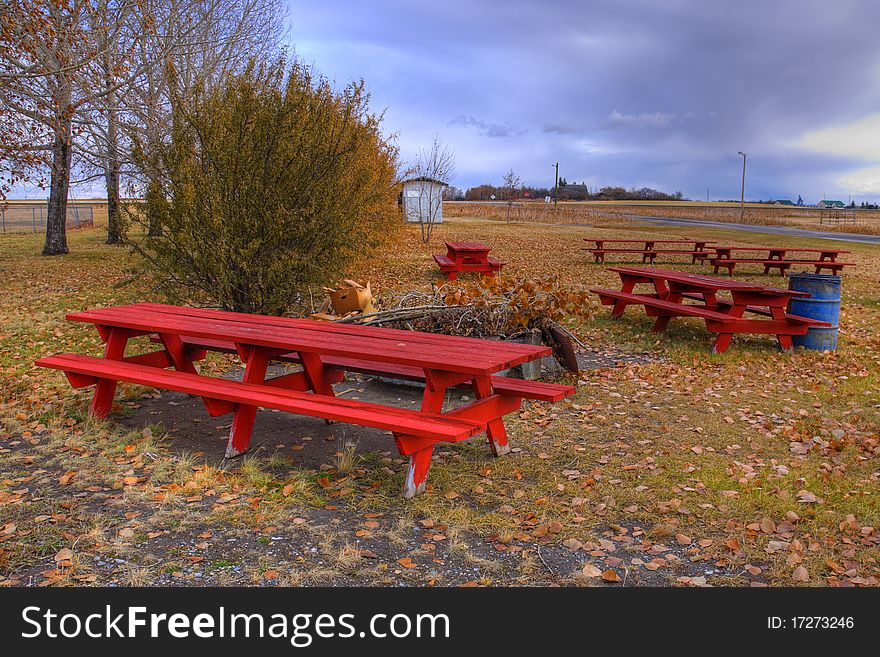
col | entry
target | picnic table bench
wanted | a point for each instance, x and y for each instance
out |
(648, 252)
(776, 258)
(724, 316)
(324, 352)
(467, 256)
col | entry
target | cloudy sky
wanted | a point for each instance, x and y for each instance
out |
(659, 93)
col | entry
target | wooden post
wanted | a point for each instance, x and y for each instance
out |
(495, 430)
(243, 422)
(105, 389)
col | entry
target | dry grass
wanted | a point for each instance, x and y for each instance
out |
(611, 212)
(751, 462)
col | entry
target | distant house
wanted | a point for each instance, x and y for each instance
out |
(421, 200)
(830, 204)
(574, 192)
(782, 201)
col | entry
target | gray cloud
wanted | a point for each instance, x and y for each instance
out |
(618, 119)
(622, 92)
(483, 127)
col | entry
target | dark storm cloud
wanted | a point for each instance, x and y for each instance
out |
(620, 92)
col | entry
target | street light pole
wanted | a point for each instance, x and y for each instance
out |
(556, 186)
(742, 197)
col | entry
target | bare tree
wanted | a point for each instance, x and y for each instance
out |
(67, 68)
(46, 49)
(435, 164)
(206, 41)
(510, 186)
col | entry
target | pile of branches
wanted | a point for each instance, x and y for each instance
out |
(490, 307)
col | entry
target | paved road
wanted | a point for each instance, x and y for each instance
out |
(750, 228)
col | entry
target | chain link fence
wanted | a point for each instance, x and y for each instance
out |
(26, 217)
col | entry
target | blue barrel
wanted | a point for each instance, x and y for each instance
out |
(823, 303)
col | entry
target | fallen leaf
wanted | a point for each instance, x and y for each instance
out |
(591, 571)
(64, 554)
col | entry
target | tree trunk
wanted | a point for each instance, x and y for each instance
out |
(154, 228)
(112, 177)
(111, 166)
(56, 216)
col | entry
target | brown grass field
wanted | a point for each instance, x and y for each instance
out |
(591, 212)
(670, 466)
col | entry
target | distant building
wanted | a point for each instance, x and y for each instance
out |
(782, 201)
(421, 200)
(830, 204)
(574, 192)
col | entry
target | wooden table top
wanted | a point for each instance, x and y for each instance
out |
(706, 282)
(776, 248)
(467, 246)
(284, 334)
(647, 239)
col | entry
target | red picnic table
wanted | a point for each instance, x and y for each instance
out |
(466, 256)
(324, 351)
(648, 252)
(724, 316)
(776, 258)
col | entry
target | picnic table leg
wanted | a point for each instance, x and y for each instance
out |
(627, 287)
(495, 430)
(177, 353)
(243, 422)
(662, 321)
(785, 342)
(316, 374)
(417, 474)
(660, 288)
(182, 362)
(722, 342)
(435, 393)
(105, 389)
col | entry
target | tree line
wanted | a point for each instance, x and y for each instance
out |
(566, 191)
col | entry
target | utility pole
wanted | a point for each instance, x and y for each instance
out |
(742, 197)
(556, 186)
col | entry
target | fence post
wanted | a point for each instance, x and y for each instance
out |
(3, 215)
(34, 219)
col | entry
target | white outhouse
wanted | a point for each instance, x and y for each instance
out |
(421, 200)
